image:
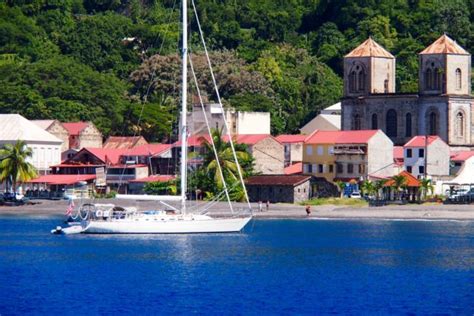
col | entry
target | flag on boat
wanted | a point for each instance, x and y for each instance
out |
(70, 207)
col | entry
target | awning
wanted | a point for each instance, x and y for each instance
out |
(64, 179)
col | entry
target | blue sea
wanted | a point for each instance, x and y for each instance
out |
(275, 267)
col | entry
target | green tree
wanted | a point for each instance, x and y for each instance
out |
(341, 185)
(398, 183)
(368, 187)
(159, 188)
(378, 186)
(14, 166)
(426, 186)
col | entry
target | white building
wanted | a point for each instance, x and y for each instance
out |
(240, 123)
(46, 147)
(437, 159)
(328, 120)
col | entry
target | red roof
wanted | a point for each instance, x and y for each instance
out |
(294, 168)
(155, 178)
(63, 178)
(75, 165)
(411, 181)
(277, 180)
(298, 138)
(341, 137)
(444, 45)
(369, 48)
(128, 166)
(75, 128)
(461, 155)
(250, 139)
(419, 141)
(398, 152)
(148, 150)
(111, 156)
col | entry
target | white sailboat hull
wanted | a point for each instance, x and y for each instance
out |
(157, 226)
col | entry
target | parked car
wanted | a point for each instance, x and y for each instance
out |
(356, 195)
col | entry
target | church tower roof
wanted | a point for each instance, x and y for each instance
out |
(444, 45)
(369, 48)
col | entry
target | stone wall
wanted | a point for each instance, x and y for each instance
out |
(269, 156)
(60, 132)
(90, 137)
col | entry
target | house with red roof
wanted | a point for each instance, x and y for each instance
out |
(458, 159)
(348, 155)
(430, 151)
(83, 134)
(293, 147)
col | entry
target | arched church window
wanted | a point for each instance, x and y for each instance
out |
(460, 124)
(408, 127)
(361, 80)
(458, 79)
(433, 124)
(391, 123)
(356, 122)
(374, 121)
(352, 81)
(436, 79)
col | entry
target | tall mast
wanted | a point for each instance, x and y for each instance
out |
(184, 129)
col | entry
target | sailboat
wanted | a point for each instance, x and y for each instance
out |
(111, 219)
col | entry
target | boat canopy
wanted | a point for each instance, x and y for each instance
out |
(144, 197)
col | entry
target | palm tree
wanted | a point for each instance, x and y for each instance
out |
(341, 185)
(14, 166)
(378, 185)
(368, 187)
(230, 169)
(425, 186)
(398, 183)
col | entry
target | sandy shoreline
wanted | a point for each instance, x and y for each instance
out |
(399, 212)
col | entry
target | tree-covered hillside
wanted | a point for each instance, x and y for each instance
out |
(102, 60)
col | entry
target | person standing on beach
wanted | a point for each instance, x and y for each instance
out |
(268, 205)
(260, 206)
(308, 210)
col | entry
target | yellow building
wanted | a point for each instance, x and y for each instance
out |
(318, 154)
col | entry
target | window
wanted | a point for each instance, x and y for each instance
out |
(357, 79)
(374, 121)
(385, 86)
(458, 79)
(350, 168)
(320, 168)
(409, 169)
(428, 79)
(320, 150)
(356, 122)
(339, 168)
(433, 124)
(310, 168)
(309, 150)
(409, 153)
(460, 124)
(352, 81)
(361, 169)
(421, 153)
(331, 168)
(391, 123)
(421, 169)
(408, 125)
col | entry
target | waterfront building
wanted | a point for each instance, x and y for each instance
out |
(279, 188)
(426, 156)
(348, 155)
(442, 106)
(45, 146)
(293, 148)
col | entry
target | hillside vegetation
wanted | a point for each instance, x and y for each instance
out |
(102, 60)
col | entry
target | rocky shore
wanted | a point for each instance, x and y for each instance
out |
(396, 212)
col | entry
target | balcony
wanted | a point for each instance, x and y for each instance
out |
(350, 150)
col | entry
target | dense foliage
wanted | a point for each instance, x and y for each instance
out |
(109, 61)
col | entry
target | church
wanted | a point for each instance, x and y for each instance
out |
(443, 105)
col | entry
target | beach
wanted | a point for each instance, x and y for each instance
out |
(277, 211)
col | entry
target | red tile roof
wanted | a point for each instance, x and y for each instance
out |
(298, 138)
(75, 128)
(108, 156)
(63, 178)
(341, 137)
(411, 181)
(123, 141)
(155, 178)
(277, 180)
(444, 45)
(461, 156)
(419, 141)
(369, 48)
(294, 168)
